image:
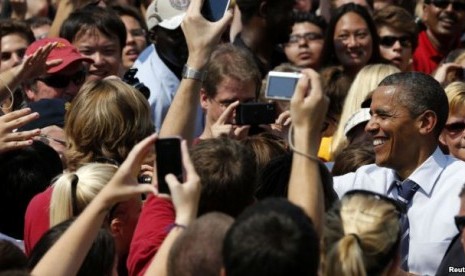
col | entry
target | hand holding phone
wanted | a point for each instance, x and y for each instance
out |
(214, 10)
(169, 160)
(255, 113)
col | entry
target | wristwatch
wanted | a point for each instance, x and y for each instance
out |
(191, 73)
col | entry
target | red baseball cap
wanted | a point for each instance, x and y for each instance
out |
(63, 50)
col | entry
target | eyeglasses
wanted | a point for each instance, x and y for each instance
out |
(7, 55)
(459, 222)
(137, 32)
(294, 39)
(455, 127)
(389, 41)
(442, 4)
(399, 209)
(61, 81)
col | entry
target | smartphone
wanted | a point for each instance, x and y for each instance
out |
(281, 85)
(255, 113)
(214, 10)
(169, 160)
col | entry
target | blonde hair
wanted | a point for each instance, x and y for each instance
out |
(106, 119)
(91, 178)
(365, 82)
(361, 235)
(455, 92)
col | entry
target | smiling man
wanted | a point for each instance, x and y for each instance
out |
(409, 111)
(444, 21)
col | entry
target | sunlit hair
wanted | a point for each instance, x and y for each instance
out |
(365, 82)
(361, 235)
(106, 119)
(87, 182)
(456, 96)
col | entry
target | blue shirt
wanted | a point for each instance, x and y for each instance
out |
(163, 84)
(433, 207)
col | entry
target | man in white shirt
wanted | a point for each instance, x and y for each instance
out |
(409, 111)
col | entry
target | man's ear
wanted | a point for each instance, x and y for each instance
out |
(204, 100)
(30, 92)
(116, 227)
(262, 10)
(427, 122)
(222, 271)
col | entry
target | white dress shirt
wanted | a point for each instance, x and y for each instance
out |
(433, 207)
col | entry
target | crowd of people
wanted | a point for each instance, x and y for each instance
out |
(360, 172)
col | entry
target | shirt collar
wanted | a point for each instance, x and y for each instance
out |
(427, 174)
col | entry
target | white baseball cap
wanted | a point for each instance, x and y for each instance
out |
(360, 116)
(166, 13)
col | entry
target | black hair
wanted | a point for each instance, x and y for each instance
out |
(272, 237)
(11, 256)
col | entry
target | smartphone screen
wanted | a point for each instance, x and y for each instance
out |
(169, 160)
(281, 85)
(213, 10)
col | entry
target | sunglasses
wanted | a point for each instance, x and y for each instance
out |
(455, 127)
(61, 81)
(442, 4)
(7, 55)
(459, 222)
(399, 208)
(389, 41)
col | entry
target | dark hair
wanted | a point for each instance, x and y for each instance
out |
(420, 92)
(398, 19)
(197, 251)
(99, 260)
(227, 173)
(336, 85)
(271, 237)
(94, 17)
(131, 11)
(264, 147)
(302, 17)
(25, 172)
(12, 26)
(274, 180)
(329, 54)
(11, 256)
(38, 21)
(250, 8)
(352, 157)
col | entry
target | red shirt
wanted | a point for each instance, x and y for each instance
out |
(37, 219)
(426, 58)
(151, 230)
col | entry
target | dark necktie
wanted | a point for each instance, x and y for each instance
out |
(406, 190)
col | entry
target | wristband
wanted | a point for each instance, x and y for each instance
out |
(174, 225)
(191, 73)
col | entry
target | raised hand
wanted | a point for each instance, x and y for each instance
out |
(223, 125)
(11, 140)
(37, 64)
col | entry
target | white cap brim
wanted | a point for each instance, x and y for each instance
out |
(166, 13)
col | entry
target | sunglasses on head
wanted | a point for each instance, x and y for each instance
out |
(61, 81)
(390, 40)
(455, 127)
(442, 4)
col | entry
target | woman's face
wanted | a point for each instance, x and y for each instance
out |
(453, 134)
(353, 43)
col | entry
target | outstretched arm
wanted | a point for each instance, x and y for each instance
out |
(201, 37)
(308, 111)
(73, 246)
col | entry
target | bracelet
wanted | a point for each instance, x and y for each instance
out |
(291, 146)
(174, 225)
(191, 73)
(11, 94)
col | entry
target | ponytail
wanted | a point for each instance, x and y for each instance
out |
(346, 257)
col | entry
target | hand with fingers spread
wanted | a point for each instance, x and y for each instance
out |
(37, 64)
(185, 196)
(223, 125)
(10, 140)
